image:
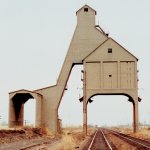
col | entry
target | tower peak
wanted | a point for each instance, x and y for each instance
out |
(86, 8)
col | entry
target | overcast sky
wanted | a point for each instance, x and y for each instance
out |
(34, 39)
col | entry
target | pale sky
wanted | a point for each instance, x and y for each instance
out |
(34, 39)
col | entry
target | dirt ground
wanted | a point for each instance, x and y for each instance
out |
(15, 139)
(71, 138)
(14, 135)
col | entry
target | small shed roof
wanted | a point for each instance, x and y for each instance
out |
(24, 91)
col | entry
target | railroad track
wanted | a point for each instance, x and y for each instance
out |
(100, 142)
(40, 145)
(32, 144)
(136, 142)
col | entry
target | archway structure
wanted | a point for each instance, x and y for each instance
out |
(16, 107)
(110, 110)
(108, 68)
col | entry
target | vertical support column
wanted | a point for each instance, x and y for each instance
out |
(16, 113)
(84, 116)
(38, 120)
(12, 118)
(135, 116)
(51, 118)
(84, 105)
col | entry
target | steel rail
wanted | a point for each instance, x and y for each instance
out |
(92, 140)
(106, 139)
(38, 144)
(31, 146)
(130, 139)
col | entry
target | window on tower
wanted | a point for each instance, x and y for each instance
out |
(109, 50)
(85, 9)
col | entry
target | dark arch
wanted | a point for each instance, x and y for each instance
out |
(120, 94)
(20, 99)
(16, 107)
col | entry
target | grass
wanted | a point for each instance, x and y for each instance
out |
(71, 138)
(68, 142)
(143, 132)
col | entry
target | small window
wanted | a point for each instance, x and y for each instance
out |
(85, 9)
(110, 75)
(109, 50)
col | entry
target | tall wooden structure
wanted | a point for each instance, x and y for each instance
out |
(108, 69)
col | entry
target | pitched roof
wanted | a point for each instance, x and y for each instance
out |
(24, 91)
(86, 6)
(95, 49)
(113, 41)
(124, 48)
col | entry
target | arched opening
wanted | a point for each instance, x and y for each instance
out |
(18, 102)
(70, 109)
(110, 110)
(30, 112)
(25, 109)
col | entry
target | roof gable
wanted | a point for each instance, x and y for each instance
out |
(86, 6)
(119, 51)
(24, 91)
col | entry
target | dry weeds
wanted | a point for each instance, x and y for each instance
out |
(68, 142)
(143, 133)
(71, 138)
